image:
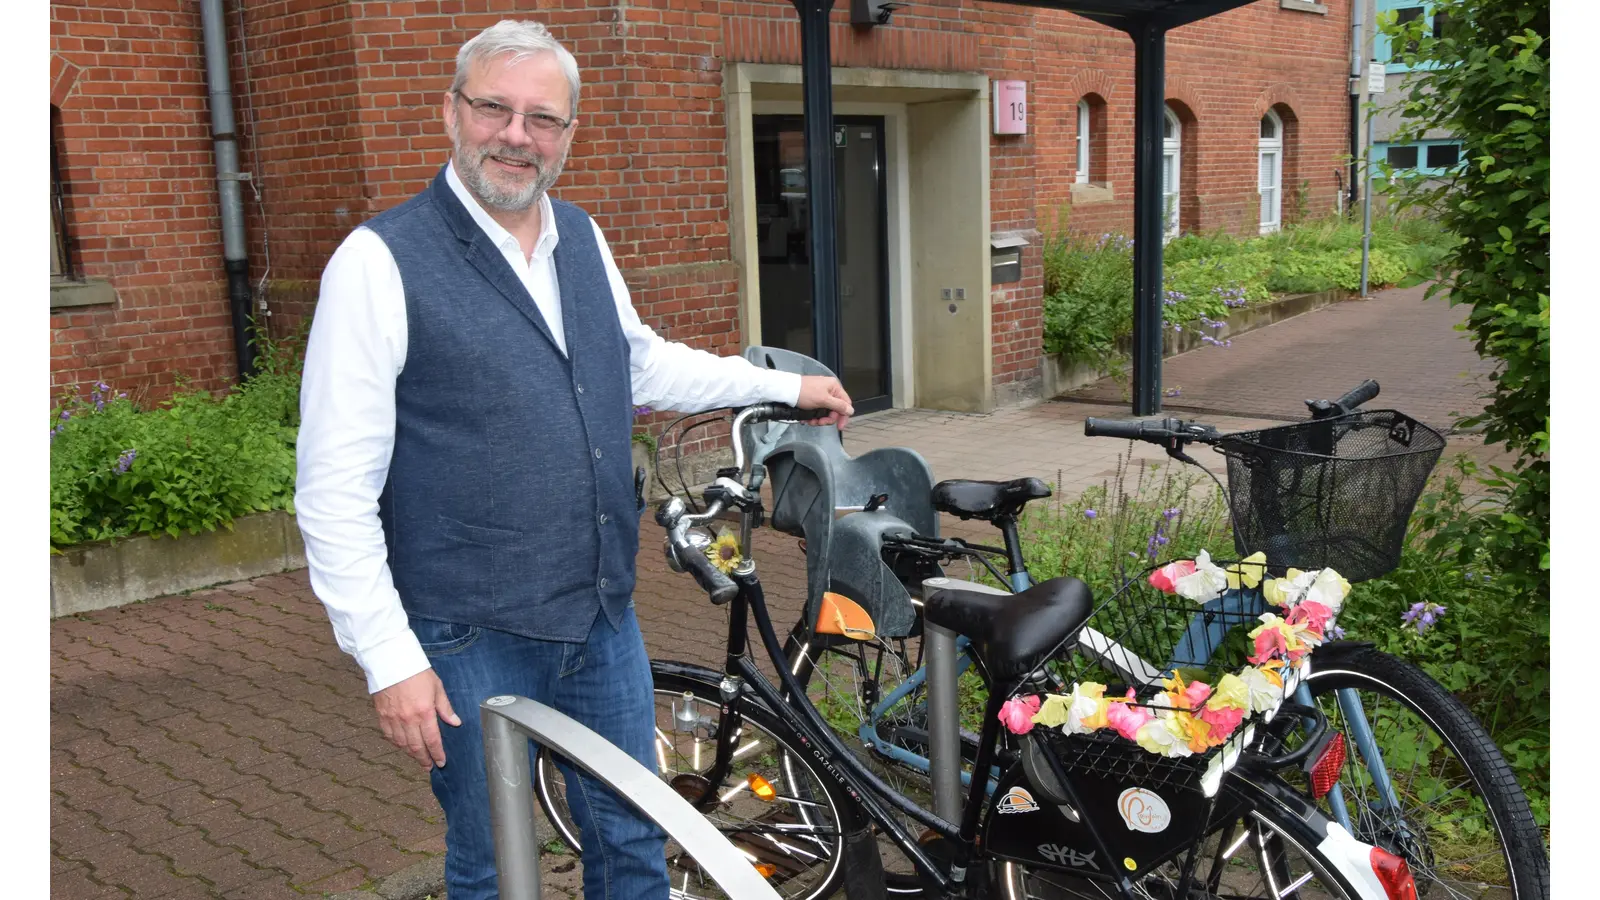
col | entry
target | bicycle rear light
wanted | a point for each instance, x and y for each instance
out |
(1394, 874)
(1327, 765)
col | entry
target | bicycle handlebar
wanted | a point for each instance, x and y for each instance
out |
(1358, 395)
(673, 514)
(1174, 433)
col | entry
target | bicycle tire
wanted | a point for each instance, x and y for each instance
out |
(673, 680)
(1362, 667)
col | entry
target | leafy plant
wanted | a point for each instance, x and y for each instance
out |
(193, 464)
(1488, 85)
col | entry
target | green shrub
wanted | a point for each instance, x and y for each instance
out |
(192, 464)
(1297, 271)
(1243, 271)
(1088, 300)
(1488, 648)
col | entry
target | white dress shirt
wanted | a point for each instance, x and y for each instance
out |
(356, 350)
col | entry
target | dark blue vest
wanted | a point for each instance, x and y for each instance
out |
(509, 503)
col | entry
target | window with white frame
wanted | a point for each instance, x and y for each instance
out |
(1171, 171)
(1083, 142)
(1271, 171)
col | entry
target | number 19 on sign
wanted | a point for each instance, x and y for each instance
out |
(1010, 107)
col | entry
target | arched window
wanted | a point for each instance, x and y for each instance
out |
(1083, 142)
(1171, 172)
(1271, 172)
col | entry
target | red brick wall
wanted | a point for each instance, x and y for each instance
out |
(338, 105)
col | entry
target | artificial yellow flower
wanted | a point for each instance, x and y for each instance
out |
(1053, 711)
(724, 551)
(1231, 692)
(1248, 571)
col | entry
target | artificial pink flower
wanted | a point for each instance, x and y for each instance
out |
(1312, 614)
(1165, 579)
(1126, 718)
(1017, 714)
(1196, 693)
(1270, 644)
(1223, 720)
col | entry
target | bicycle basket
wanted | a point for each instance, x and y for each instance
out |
(1337, 492)
(1162, 657)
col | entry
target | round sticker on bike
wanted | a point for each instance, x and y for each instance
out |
(1143, 810)
(1016, 800)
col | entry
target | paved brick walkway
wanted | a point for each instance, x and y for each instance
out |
(1407, 344)
(219, 744)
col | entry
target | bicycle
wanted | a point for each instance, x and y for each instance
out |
(1452, 808)
(806, 812)
(892, 725)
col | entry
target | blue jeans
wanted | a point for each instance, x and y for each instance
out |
(604, 683)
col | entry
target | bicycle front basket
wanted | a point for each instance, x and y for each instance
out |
(1337, 492)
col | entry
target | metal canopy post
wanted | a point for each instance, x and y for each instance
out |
(1149, 110)
(816, 81)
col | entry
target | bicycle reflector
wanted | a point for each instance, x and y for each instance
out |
(1326, 765)
(766, 870)
(762, 788)
(1394, 874)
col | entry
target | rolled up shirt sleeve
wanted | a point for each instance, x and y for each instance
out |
(347, 425)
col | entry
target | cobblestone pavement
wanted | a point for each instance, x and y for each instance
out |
(219, 745)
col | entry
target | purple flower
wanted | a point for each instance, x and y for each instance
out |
(102, 388)
(66, 414)
(1172, 513)
(125, 461)
(1089, 514)
(1175, 392)
(1423, 615)
(642, 410)
(1336, 633)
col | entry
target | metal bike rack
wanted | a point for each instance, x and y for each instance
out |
(509, 722)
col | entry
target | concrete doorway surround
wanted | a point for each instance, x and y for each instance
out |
(937, 127)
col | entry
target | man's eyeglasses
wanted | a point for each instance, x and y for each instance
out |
(498, 116)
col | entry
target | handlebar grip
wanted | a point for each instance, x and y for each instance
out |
(1117, 428)
(1358, 395)
(718, 585)
(784, 413)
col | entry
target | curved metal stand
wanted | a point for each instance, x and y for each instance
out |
(508, 724)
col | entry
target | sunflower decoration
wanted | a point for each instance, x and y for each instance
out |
(724, 551)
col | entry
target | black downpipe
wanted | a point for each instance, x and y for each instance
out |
(235, 254)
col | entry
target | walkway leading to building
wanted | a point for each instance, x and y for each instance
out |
(219, 744)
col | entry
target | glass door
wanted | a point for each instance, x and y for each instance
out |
(782, 234)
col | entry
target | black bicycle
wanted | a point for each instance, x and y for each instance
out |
(764, 764)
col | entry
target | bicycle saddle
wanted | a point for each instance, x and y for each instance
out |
(1012, 633)
(987, 500)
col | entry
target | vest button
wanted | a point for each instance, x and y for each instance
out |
(604, 518)
(597, 453)
(580, 388)
(604, 582)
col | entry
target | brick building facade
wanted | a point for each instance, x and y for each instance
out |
(338, 110)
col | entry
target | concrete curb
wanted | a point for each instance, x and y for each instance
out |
(1061, 376)
(103, 574)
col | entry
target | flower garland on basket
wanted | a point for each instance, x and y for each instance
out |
(1188, 718)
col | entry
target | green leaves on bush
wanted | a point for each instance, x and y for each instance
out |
(192, 464)
(1088, 305)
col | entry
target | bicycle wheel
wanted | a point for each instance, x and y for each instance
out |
(1463, 824)
(1266, 851)
(793, 837)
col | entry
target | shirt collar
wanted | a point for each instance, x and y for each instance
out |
(548, 238)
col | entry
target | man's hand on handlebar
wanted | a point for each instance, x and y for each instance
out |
(825, 392)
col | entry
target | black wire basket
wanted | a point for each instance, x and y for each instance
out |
(1332, 493)
(1144, 639)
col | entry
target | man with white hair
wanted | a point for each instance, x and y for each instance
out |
(464, 480)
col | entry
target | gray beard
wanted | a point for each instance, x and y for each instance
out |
(470, 167)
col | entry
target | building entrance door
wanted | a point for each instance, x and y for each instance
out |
(782, 233)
